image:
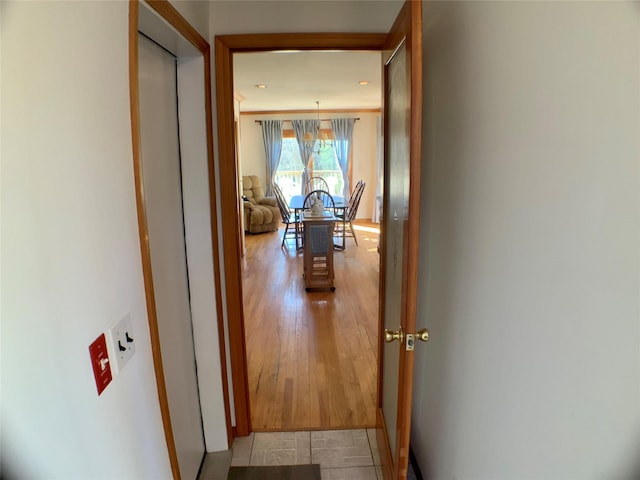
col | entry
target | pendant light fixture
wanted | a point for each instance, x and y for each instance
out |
(323, 139)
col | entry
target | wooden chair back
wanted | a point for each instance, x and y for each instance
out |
(316, 183)
(354, 201)
(324, 195)
(282, 203)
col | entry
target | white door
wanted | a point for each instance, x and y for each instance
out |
(162, 190)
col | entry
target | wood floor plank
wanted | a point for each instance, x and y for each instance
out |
(311, 355)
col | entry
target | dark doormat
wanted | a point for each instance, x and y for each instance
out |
(280, 472)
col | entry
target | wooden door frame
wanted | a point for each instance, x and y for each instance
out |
(167, 12)
(225, 47)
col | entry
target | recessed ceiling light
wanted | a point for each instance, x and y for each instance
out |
(260, 85)
(363, 82)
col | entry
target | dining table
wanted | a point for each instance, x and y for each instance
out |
(296, 204)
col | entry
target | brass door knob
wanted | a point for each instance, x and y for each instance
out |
(423, 334)
(390, 335)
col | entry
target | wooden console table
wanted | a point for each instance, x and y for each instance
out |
(318, 251)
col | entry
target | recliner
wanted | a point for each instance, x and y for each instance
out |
(261, 214)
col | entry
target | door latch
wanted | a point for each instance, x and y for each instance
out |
(422, 335)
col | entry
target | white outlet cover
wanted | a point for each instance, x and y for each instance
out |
(122, 343)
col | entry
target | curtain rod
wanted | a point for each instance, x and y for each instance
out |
(322, 119)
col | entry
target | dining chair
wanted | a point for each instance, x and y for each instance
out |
(344, 227)
(316, 183)
(309, 199)
(288, 217)
(324, 195)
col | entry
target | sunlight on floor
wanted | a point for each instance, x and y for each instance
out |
(364, 228)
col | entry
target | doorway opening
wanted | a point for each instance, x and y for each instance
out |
(231, 207)
(311, 355)
(402, 144)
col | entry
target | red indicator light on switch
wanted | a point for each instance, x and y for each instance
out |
(100, 363)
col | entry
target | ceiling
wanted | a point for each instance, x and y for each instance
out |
(296, 80)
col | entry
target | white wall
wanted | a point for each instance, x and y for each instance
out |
(365, 161)
(70, 251)
(196, 12)
(283, 16)
(253, 159)
(531, 233)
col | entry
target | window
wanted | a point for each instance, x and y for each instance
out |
(323, 164)
(290, 168)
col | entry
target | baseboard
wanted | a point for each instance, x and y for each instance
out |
(414, 464)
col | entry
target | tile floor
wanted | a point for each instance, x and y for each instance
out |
(342, 454)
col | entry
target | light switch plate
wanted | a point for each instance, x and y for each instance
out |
(122, 342)
(100, 362)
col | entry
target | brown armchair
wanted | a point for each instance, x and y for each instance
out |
(261, 214)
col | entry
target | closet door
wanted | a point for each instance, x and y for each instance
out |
(163, 204)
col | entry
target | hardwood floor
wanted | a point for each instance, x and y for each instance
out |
(312, 356)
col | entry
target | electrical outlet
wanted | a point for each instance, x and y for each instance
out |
(122, 345)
